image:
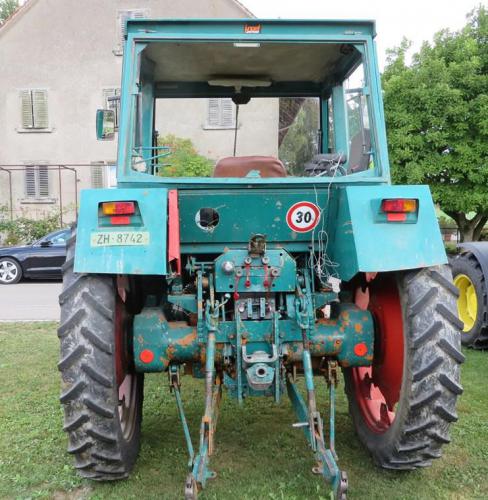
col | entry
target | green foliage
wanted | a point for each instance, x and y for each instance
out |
(300, 144)
(184, 161)
(437, 120)
(7, 7)
(25, 230)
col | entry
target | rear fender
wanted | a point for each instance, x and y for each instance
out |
(150, 257)
(362, 240)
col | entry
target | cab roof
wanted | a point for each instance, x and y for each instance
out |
(305, 54)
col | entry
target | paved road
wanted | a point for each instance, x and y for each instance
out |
(30, 300)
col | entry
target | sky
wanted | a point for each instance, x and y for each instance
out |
(417, 20)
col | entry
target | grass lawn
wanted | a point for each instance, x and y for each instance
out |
(259, 455)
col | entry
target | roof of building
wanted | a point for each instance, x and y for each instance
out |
(23, 8)
(16, 15)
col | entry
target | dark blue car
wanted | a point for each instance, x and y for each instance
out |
(40, 260)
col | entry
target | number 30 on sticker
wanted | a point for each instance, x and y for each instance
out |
(303, 216)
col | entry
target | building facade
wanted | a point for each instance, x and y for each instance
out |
(60, 61)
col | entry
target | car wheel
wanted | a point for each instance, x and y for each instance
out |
(10, 271)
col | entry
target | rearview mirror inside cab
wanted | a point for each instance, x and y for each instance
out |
(105, 124)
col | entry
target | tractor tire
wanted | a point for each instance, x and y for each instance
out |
(102, 412)
(472, 301)
(402, 406)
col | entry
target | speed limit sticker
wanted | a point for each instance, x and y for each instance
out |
(303, 216)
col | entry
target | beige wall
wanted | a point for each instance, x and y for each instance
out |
(257, 132)
(66, 47)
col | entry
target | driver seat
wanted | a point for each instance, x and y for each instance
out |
(240, 166)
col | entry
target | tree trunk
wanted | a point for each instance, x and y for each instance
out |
(469, 229)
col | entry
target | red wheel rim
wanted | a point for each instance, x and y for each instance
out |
(377, 388)
(126, 381)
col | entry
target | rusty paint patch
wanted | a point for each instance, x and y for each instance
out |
(187, 339)
(203, 355)
(170, 351)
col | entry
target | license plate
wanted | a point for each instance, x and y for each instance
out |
(114, 238)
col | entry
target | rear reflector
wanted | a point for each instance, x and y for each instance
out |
(118, 208)
(395, 217)
(120, 220)
(146, 356)
(398, 206)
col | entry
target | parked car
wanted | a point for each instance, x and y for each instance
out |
(40, 260)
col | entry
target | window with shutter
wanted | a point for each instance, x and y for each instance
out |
(30, 182)
(122, 17)
(27, 112)
(221, 113)
(34, 109)
(36, 181)
(97, 177)
(110, 103)
(43, 181)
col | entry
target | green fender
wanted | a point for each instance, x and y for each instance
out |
(144, 254)
(362, 240)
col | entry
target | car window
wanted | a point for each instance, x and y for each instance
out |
(58, 238)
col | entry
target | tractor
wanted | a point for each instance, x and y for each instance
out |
(470, 271)
(265, 272)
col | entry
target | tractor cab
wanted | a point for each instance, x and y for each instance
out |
(268, 83)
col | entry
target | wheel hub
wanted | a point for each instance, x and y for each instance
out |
(8, 271)
(467, 303)
(377, 388)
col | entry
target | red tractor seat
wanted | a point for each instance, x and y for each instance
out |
(240, 166)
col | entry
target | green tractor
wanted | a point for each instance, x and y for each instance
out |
(266, 271)
(470, 271)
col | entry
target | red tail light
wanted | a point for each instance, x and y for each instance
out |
(399, 205)
(118, 208)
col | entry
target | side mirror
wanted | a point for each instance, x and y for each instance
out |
(105, 124)
(46, 243)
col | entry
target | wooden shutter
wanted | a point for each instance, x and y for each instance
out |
(43, 181)
(26, 109)
(30, 181)
(37, 181)
(227, 113)
(97, 180)
(123, 16)
(39, 107)
(213, 117)
(220, 113)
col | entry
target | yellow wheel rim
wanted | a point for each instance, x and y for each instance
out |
(467, 303)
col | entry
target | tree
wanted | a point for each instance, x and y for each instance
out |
(300, 143)
(436, 112)
(183, 159)
(7, 8)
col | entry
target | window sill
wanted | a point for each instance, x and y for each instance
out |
(216, 127)
(38, 201)
(34, 130)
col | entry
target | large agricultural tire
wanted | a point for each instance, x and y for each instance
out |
(472, 301)
(403, 406)
(101, 394)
